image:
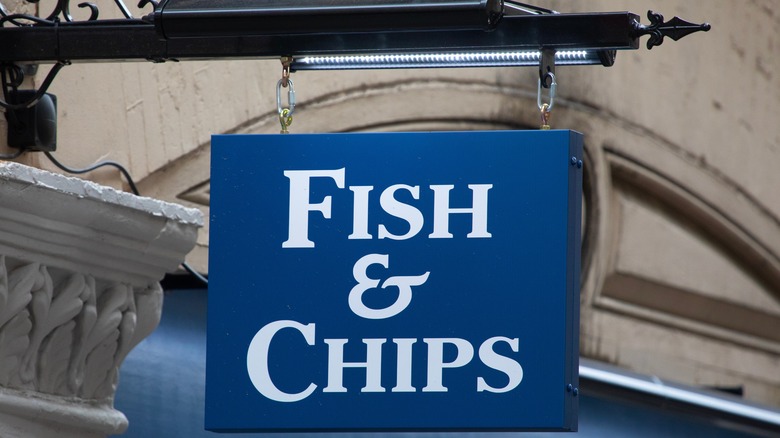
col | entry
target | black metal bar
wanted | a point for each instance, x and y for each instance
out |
(115, 40)
(199, 18)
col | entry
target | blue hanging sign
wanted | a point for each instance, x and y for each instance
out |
(394, 282)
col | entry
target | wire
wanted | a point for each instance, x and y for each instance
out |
(15, 155)
(195, 273)
(133, 188)
(41, 91)
(530, 9)
(5, 17)
(94, 167)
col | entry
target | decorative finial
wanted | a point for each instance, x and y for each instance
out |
(675, 29)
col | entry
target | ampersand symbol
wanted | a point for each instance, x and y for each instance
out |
(403, 283)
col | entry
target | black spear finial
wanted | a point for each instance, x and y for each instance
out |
(675, 29)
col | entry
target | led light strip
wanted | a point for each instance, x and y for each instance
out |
(433, 60)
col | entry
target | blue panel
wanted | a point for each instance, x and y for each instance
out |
(485, 338)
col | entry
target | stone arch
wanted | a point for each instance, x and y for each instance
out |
(611, 144)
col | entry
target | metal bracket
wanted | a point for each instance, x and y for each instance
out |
(675, 29)
(33, 39)
(546, 67)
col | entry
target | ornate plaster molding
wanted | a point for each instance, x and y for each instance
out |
(79, 272)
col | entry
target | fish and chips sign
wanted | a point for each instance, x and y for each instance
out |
(394, 282)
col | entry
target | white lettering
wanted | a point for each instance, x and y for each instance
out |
(258, 365)
(257, 360)
(336, 365)
(402, 211)
(403, 381)
(442, 211)
(511, 368)
(436, 360)
(404, 284)
(360, 213)
(300, 206)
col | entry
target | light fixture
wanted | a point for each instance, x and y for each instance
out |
(201, 18)
(526, 58)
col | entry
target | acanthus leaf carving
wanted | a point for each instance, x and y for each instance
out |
(84, 325)
(13, 344)
(18, 287)
(54, 358)
(69, 336)
(40, 304)
(53, 310)
(148, 310)
(103, 342)
(15, 322)
(124, 344)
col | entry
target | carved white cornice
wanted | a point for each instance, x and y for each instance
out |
(84, 227)
(79, 272)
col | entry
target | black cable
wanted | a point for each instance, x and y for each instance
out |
(130, 183)
(5, 17)
(195, 273)
(96, 166)
(41, 91)
(15, 155)
(16, 77)
(10, 87)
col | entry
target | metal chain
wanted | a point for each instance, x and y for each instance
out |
(285, 112)
(286, 61)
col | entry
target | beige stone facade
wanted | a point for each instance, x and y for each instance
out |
(681, 255)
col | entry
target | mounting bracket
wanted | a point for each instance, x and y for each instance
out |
(512, 27)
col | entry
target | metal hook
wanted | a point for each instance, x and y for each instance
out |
(285, 120)
(290, 97)
(286, 61)
(553, 88)
(545, 117)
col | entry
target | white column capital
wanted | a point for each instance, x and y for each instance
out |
(80, 266)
